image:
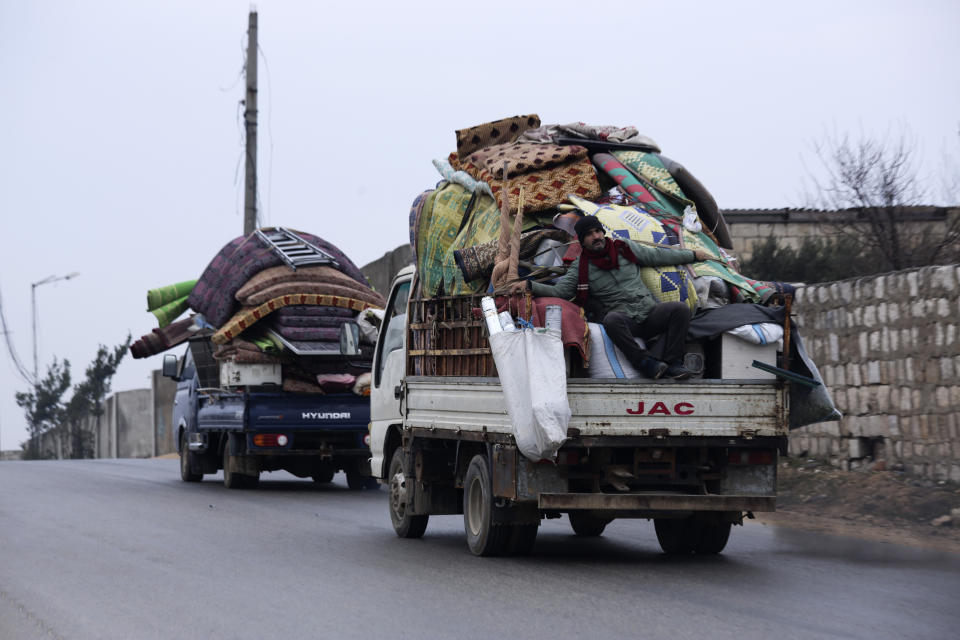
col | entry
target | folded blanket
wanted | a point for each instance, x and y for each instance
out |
(421, 202)
(242, 351)
(331, 334)
(616, 135)
(496, 132)
(283, 274)
(167, 313)
(309, 321)
(544, 189)
(296, 385)
(371, 297)
(523, 157)
(336, 382)
(246, 318)
(240, 260)
(164, 295)
(161, 339)
(313, 310)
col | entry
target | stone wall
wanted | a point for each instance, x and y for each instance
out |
(888, 348)
(749, 227)
(381, 271)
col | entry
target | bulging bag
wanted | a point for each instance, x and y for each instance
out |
(534, 381)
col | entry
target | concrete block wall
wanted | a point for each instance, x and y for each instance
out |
(888, 347)
(381, 271)
(164, 390)
(134, 424)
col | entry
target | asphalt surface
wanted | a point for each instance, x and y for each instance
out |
(123, 549)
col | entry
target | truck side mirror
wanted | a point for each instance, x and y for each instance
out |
(170, 366)
(349, 339)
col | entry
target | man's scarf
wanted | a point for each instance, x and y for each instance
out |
(606, 259)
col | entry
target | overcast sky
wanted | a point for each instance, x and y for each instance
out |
(122, 134)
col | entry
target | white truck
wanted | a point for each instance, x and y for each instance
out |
(695, 456)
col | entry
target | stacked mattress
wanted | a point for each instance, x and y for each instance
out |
(258, 308)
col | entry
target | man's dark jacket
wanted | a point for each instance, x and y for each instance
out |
(619, 289)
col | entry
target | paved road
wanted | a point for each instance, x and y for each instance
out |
(123, 549)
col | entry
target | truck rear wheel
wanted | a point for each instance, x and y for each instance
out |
(483, 538)
(324, 475)
(356, 481)
(586, 525)
(677, 537)
(188, 462)
(691, 535)
(234, 480)
(405, 524)
(713, 538)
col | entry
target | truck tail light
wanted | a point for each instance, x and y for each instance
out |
(270, 440)
(751, 456)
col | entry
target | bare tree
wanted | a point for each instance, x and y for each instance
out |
(871, 188)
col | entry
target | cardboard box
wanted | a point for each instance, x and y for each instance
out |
(233, 374)
(737, 356)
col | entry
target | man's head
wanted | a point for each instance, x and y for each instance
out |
(590, 233)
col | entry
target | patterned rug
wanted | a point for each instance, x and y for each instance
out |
(544, 189)
(496, 132)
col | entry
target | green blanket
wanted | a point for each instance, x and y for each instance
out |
(164, 295)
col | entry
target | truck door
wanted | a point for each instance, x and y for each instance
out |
(388, 369)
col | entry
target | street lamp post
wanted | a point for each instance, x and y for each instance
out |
(33, 306)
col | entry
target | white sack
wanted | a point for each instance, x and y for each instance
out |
(758, 333)
(606, 358)
(534, 381)
(369, 321)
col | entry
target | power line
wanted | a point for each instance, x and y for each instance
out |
(18, 365)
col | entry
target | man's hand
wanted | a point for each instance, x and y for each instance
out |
(518, 287)
(699, 255)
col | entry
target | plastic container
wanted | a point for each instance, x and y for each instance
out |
(489, 309)
(553, 317)
(506, 321)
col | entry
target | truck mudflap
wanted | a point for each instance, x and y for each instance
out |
(654, 502)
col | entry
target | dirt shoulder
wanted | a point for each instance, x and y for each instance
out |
(880, 505)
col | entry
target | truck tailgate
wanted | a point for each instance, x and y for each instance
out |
(708, 408)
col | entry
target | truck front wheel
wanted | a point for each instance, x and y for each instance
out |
(188, 462)
(483, 538)
(405, 524)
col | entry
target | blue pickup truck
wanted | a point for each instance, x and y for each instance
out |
(246, 430)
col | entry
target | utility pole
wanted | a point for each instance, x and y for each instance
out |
(250, 123)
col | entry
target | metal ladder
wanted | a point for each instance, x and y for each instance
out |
(294, 250)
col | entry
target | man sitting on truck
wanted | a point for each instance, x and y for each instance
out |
(605, 279)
